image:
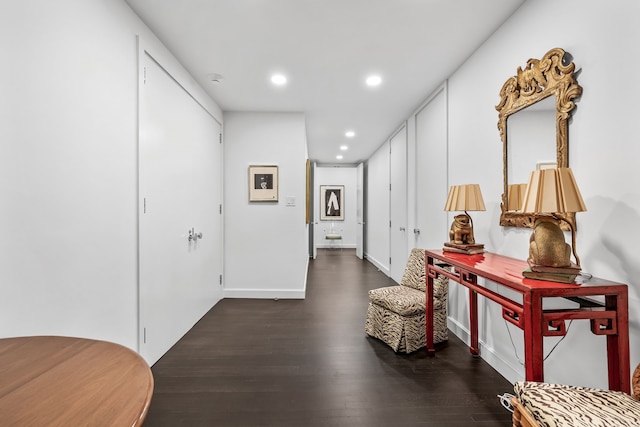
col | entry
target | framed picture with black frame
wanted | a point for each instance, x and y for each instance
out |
(263, 183)
(332, 203)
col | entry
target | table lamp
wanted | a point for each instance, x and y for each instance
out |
(552, 191)
(515, 196)
(463, 198)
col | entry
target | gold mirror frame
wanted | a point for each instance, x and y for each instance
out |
(542, 78)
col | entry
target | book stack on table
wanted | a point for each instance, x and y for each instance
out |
(464, 249)
(552, 274)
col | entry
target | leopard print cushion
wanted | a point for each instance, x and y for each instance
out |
(414, 272)
(556, 405)
(404, 334)
(402, 300)
(414, 275)
(635, 381)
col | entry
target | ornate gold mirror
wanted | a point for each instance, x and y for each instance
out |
(541, 93)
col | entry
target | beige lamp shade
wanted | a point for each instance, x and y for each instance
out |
(464, 198)
(552, 191)
(515, 196)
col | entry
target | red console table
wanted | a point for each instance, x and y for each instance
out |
(609, 318)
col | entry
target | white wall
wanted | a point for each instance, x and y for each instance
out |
(68, 169)
(333, 175)
(266, 244)
(603, 153)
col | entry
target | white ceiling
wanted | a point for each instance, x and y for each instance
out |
(326, 49)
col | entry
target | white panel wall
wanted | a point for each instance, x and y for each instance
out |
(603, 153)
(426, 188)
(377, 206)
(68, 168)
(332, 175)
(266, 244)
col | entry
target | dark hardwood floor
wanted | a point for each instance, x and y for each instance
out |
(309, 363)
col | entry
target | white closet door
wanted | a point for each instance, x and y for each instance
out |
(180, 221)
(398, 204)
(431, 185)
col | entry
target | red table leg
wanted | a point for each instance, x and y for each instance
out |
(473, 322)
(618, 344)
(533, 343)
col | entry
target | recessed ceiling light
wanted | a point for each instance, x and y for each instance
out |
(350, 134)
(339, 157)
(344, 147)
(278, 79)
(374, 80)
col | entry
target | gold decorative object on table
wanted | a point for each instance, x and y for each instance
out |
(555, 192)
(461, 238)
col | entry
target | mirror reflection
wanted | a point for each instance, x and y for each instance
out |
(531, 143)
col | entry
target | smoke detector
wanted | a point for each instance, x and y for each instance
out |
(215, 78)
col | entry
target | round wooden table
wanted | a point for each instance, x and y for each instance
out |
(63, 381)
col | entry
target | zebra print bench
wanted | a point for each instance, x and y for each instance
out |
(396, 314)
(556, 405)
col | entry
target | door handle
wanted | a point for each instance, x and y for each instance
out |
(193, 236)
(416, 231)
(403, 229)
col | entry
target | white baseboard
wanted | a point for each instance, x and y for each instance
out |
(488, 354)
(378, 265)
(264, 294)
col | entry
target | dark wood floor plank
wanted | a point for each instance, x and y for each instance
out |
(309, 363)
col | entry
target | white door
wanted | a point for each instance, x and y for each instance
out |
(360, 212)
(180, 238)
(431, 173)
(398, 204)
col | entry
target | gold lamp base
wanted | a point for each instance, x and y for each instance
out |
(461, 237)
(547, 246)
(549, 255)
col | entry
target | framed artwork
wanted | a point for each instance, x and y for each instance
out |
(332, 203)
(546, 165)
(263, 183)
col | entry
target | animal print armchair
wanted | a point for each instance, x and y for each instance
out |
(396, 314)
(557, 405)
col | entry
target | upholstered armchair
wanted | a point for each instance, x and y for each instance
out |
(396, 314)
(556, 405)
